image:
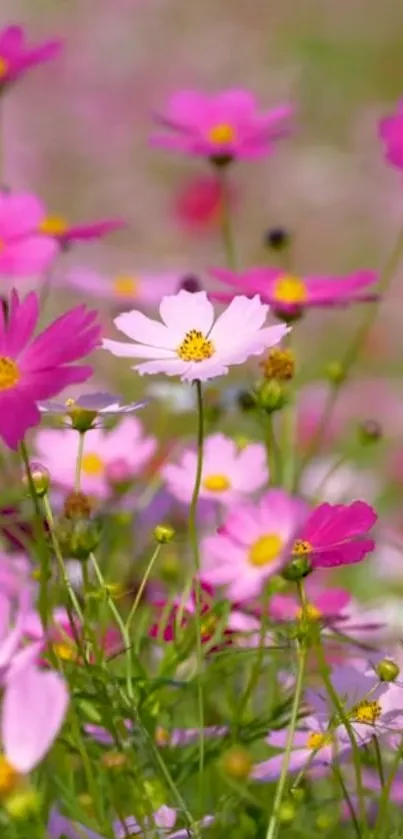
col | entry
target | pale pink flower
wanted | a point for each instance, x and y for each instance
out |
(253, 544)
(23, 251)
(229, 473)
(124, 450)
(188, 343)
(137, 287)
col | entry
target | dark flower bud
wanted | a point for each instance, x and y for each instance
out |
(79, 537)
(277, 238)
(246, 400)
(190, 283)
(221, 160)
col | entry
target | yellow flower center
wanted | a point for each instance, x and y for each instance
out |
(301, 548)
(310, 612)
(9, 373)
(265, 550)
(53, 226)
(125, 286)
(67, 652)
(162, 736)
(289, 289)
(316, 740)
(367, 711)
(4, 67)
(209, 625)
(92, 464)
(221, 134)
(216, 483)
(195, 347)
(9, 777)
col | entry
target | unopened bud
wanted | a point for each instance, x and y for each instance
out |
(77, 506)
(369, 432)
(236, 763)
(286, 812)
(297, 569)
(387, 670)
(246, 400)
(335, 372)
(163, 533)
(78, 537)
(190, 283)
(22, 804)
(271, 396)
(40, 479)
(277, 238)
(278, 364)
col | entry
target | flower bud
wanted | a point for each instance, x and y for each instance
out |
(286, 812)
(190, 283)
(369, 432)
(246, 400)
(78, 537)
(387, 670)
(163, 533)
(297, 569)
(77, 506)
(221, 160)
(82, 419)
(271, 396)
(278, 364)
(335, 372)
(40, 479)
(236, 762)
(22, 804)
(277, 239)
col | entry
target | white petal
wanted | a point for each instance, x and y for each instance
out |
(124, 350)
(145, 330)
(185, 311)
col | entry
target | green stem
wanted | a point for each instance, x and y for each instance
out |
(79, 461)
(338, 775)
(273, 822)
(226, 226)
(194, 541)
(44, 605)
(352, 353)
(59, 557)
(381, 822)
(271, 449)
(379, 761)
(142, 586)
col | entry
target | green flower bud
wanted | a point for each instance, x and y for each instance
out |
(387, 670)
(335, 372)
(78, 537)
(297, 569)
(163, 533)
(286, 812)
(82, 419)
(271, 396)
(40, 479)
(236, 762)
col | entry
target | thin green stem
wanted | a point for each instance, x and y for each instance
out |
(271, 449)
(44, 604)
(142, 586)
(379, 760)
(59, 558)
(381, 822)
(79, 461)
(226, 226)
(273, 822)
(339, 777)
(194, 542)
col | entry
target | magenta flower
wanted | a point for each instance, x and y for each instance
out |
(23, 252)
(16, 57)
(289, 294)
(188, 343)
(222, 127)
(326, 606)
(229, 473)
(31, 370)
(390, 131)
(64, 233)
(336, 534)
(252, 545)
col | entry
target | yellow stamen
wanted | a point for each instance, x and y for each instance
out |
(195, 347)
(125, 286)
(221, 134)
(216, 483)
(9, 777)
(367, 711)
(301, 547)
(316, 740)
(309, 612)
(265, 550)
(67, 652)
(4, 68)
(290, 289)
(162, 736)
(92, 464)
(54, 226)
(9, 373)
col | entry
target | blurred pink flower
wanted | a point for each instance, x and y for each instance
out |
(188, 343)
(252, 545)
(16, 57)
(142, 288)
(104, 451)
(23, 252)
(64, 233)
(38, 369)
(221, 127)
(336, 534)
(229, 473)
(198, 204)
(390, 131)
(289, 294)
(326, 606)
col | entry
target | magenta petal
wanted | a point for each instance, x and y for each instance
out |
(18, 412)
(34, 707)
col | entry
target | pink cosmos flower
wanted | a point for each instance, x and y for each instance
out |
(23, 252)
(313, 745)
(31, 370)
(145, 289)
(188, 343)
(198, 204)
(289, 294)
(326, 606)
(253, 544)
(221, 127)
(64, 233)
(229, 473)
(121, 453)
(336, 534)
(16, 57)
(390, 131)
